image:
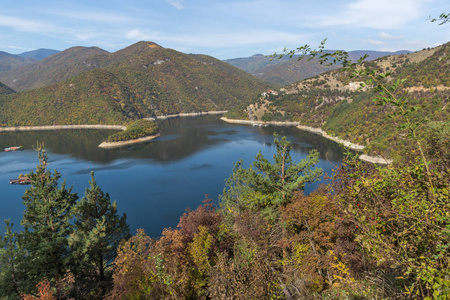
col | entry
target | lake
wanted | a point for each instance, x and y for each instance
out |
(153, 183)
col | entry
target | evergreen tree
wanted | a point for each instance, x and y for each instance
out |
(265, 186)
(46, 222)
(9, 259)
(97, 235)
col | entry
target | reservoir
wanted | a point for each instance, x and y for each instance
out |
(152, 183)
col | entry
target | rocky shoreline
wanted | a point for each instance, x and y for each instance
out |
(61, 127)
(356, 147)
(110, 145)
(193, 114)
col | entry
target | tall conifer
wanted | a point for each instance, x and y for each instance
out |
(98, 232)
(46, 222)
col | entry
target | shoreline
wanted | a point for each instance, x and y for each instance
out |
(248, 122)
(110, 145)
(193, 114)
(60, 127)
(356, 147)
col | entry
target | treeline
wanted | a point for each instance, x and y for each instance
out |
(135, 129)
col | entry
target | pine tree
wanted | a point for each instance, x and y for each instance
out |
(265, 185)
(47, 226)
(10, 254)
(98, 232)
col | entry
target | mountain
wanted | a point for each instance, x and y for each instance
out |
(11, 61)
(139, 81)
(333, 101)
(288, 70)
(50, 70)
(38, 54)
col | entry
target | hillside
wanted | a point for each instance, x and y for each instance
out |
(333, 101)
(38, 54)
(50, 70)
(142, 80)
(288, 70)
(11, 61)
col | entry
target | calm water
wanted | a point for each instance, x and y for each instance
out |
(152, 183)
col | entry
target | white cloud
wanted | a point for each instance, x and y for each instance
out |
(374, 42)
(90, 16)
(380, 14)
(387, 36)
(176, 3)
(11, 47)
(138, 35)
(25, 25)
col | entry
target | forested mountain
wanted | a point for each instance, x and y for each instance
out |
(52, 69)
(333, 101)
(288, 70)
(38, 54)
(11, 61)
(141, 80)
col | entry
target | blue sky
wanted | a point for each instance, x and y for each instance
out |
(222, 28)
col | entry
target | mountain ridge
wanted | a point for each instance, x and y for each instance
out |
(142, 80)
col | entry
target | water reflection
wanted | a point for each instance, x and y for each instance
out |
(154, 182)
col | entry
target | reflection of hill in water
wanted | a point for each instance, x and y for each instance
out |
(181, 138)
(78, 143)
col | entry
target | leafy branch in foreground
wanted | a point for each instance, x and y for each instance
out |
(443, 18)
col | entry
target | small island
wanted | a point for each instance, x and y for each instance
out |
(137, 131)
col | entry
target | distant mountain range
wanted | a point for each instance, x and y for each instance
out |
(38, 54)
(90, 86)
(51, 69)
(288, 70)
(12, 61)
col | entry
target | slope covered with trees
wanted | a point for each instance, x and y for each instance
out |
(139, 81)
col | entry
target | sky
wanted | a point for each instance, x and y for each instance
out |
(223, 28)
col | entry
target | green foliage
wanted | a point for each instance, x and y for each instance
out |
(66, 247)
(98, 230)
(265, 186)
(47, 224)
(135, 129)
(10, 256)
(402, 220)
(443, 18)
